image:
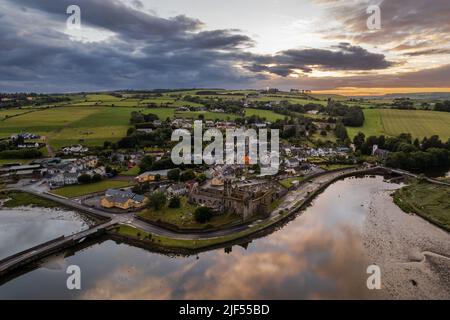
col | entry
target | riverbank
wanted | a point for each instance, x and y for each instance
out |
(14, 199)
(413, 254)
(430, 201)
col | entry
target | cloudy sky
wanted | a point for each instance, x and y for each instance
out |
(322, 45)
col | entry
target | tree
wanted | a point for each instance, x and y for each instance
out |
(96, 178)
(201, 178)
(174, 174)
(84, 179)
(359, 140)
(157, 200)
(175, 202)
(203, 214)
(187, 175)
(146, 163)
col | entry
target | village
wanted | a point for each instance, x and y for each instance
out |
(123, 181)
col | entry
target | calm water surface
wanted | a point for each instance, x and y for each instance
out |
(320, 254)
(25, 227)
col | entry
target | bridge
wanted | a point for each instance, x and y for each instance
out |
(412, 175)
(40, 251)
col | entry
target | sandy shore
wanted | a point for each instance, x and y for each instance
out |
(414, 255)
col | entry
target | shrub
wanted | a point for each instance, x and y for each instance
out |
(175, 202)
(203, 214)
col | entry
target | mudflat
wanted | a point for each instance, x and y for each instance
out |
(413, 254)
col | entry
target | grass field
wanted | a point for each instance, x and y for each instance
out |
(84, 189)
(19, 199)
(269, 115)
(131, 172)
(11, 112)
(392, 122)
(208, 115)
(431, 201)
(183, 217)
(71, 125)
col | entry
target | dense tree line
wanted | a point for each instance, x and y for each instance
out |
(138, 117)
(351, 116)
(135, 139)
(406, 153)
(20, 154)
(442, 106)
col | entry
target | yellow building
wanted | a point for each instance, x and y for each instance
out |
(123, 200)
(150, 176)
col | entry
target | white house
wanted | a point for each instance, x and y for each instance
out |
(178, 190)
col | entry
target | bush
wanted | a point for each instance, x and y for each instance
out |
(157, 200)
(203, 214)
(20, 154)
(96, 178)
(84, 179)
(187, 175)
(175, 202)
(174, 174)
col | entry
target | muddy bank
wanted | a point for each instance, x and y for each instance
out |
(413, 254)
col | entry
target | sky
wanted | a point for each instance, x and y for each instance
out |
(320, 45)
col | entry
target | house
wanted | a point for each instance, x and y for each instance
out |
(145, 130)
(150, 176)
(292, 163)
(176, 190)
(63, 179)
(209, 123)
(74, 149)
(28, 145)
(379, 153)
(123, 199)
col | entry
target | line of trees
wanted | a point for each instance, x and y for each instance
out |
(442, 106)
(407, 153)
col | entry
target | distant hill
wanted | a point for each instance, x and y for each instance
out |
(418, 95)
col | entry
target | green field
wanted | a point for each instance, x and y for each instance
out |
(268, 114)
(72, 125)
(183, 217)
(207, 115)
(11, 112)
(132, 172)
(391, 122)
(431, 201)
(19, 199)
(84, 189)
(101, 97)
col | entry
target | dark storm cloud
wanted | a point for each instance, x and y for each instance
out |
(113, 15)
(145, 51)
(343, 57)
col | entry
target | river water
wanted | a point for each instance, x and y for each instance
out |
(25, 227)
(320, 254)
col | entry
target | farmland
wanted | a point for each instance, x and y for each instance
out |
(391, 122)
(268, 114)
(91, 119)
(71, 125)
